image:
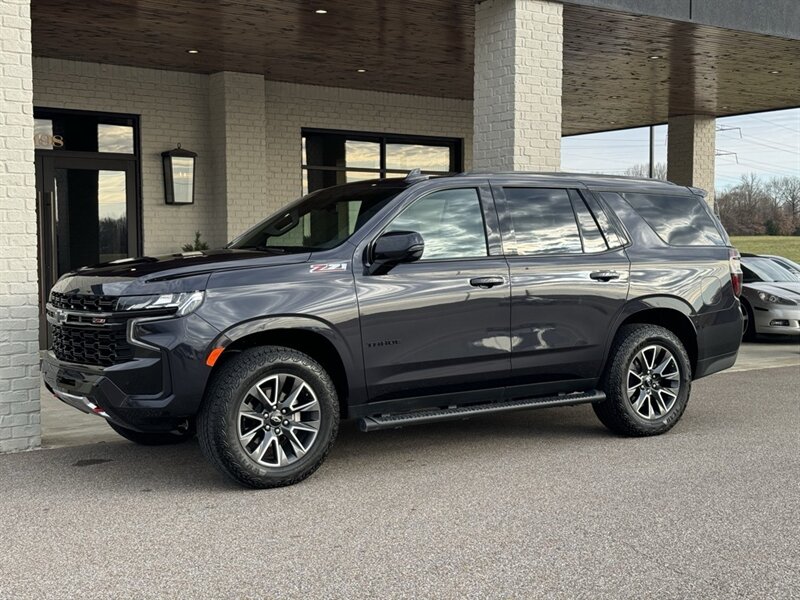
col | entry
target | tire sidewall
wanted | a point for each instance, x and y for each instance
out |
(682, 360)
(226, 431)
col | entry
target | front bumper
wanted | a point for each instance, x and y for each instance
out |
(157, 390)
(777, 319)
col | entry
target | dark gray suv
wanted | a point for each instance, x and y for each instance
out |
(404, 301)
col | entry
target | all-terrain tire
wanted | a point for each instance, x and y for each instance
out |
(617, 411)
(218, 421)
(143, 438)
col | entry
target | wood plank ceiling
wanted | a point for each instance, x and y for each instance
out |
(426, 47)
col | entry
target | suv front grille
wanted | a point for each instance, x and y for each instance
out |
(99, 346)
(90, 334)
(86, 302)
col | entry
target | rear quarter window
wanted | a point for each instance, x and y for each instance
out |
(678, 220)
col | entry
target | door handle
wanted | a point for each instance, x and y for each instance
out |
(486, 282)
(604, 275)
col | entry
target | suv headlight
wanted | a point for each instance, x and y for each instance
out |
(773, 299)
(182, 304)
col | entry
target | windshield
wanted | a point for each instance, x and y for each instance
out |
(319, 221)
(763, 269)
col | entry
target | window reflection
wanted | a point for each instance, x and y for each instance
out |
(543, 221)
(112, 215)
(678, 220)
(114, 138)
(43, 134)
(182, 180)
(364, 155)
(450, 222)
(417, 156)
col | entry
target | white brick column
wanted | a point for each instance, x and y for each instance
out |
(19, 301)
(691, 152)
(237, 116)
(518, 72)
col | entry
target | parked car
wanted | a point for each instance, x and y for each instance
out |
(770, 298)
(787, 264)
(405, 301)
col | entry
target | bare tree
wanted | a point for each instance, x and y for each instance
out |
(786, 192)
(643, 170)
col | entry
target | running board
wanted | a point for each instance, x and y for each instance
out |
(395, 421)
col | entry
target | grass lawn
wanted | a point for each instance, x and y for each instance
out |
(782, 245)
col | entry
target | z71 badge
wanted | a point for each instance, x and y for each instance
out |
(325, 267)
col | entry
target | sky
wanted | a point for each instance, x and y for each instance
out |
(767, 144)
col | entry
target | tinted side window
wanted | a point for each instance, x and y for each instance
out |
(543, 220)
(614, 238)
(451, 224)
(593, 240)
(678, 220)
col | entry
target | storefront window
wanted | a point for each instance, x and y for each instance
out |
(333, 158)
(83, 132)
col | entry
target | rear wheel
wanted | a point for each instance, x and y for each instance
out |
(146, 438)
(269, 418)
(647, 382)
(750, 322)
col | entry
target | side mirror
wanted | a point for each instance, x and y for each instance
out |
(394, 248)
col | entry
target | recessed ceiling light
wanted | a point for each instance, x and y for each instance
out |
(613, 97)
(193, 51)
(361, 70)
(774, 72)
(655, 56)
(321, 11)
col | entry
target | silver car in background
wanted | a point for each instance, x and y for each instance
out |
(770, 298)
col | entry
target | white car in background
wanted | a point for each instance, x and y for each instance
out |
(770, 298)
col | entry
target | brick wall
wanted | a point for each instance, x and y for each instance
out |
(236, 113)
(174, 109)
(245, 130)
(518, 63)
(290, 107)
(19, 314)
(692, 152)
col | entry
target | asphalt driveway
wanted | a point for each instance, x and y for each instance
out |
(536, 504)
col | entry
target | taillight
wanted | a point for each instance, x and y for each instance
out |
(735, 262)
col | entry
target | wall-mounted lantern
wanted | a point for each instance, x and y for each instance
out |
(179, 176)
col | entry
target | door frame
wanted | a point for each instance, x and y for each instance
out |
(47, 161)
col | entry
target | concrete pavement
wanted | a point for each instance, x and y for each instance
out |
(526, 505)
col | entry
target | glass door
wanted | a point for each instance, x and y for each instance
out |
(86, 213)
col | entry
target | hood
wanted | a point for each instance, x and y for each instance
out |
(172, 273)
(787, 289)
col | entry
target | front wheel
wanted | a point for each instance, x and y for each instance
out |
(647, 382)
(269, 417)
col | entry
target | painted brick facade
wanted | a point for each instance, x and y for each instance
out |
(692, 152)
(237, 114)
(173, 108)
(245, 130)
(518, 74)
(19, 312)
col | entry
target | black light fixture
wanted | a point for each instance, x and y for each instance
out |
(178, 175)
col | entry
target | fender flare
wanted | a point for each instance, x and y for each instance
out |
(638, 305)
(353, 365)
